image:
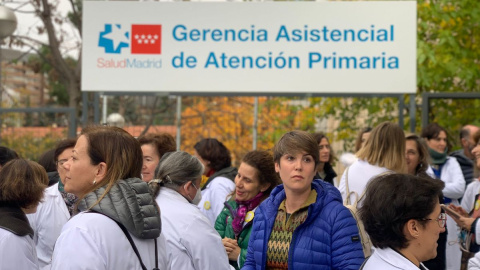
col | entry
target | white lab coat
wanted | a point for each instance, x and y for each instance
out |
(47, 223)
(94, 241)
(213, 197)
(389, 259)
(468, 199)
(454, 189)
(191, 240)
(17, 252)
(474, 263)
(359, 174)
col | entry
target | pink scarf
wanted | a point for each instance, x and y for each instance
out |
(243, 208)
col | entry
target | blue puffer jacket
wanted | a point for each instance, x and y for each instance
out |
(328, 239)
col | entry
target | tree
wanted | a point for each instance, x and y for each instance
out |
(230, 120)
(68, 75)
(448, 59)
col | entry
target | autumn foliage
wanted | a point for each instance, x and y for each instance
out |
(231, 121)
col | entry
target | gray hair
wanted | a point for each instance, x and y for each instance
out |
(175, 169)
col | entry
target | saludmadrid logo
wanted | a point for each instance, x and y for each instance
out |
(135, 39)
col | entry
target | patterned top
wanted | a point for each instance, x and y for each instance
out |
(283, 228)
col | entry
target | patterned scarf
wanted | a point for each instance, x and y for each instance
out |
(69, 198)
(243, 208)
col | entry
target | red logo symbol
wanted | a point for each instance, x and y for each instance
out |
(146, 39)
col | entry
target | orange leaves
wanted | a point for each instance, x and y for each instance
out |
(231, 120)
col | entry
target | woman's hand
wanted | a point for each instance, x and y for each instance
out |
(459, 210)
(232, 248)
(463, 220)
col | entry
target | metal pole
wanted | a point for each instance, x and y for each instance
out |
(104, 108)
(1, 90)
(413, 109)
(85, 108)
(425, 109)
(72, 125)
(255, 123)
(401, 107)
(179, 120)
(96, 105)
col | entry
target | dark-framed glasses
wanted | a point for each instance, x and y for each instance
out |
(441, 220)
(61, 162)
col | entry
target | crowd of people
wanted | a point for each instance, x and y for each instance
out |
(107, 200)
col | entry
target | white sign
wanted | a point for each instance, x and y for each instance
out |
(250, 47)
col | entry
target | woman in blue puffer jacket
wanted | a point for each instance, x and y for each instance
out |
(303, 224)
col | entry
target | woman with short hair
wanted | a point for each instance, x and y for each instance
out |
(119, 215)
(22, 183)
(405, 228)
(191, 240)
(154, 146)
(303, 224)
(254, 182)
(220, 175)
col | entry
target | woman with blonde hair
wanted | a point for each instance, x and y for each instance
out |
(22, 183)
(384, 152)
(119, 226)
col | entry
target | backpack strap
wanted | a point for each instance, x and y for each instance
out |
(347, 198)
(364, 262)
(349, 193)
(129, 237)
(357, 198)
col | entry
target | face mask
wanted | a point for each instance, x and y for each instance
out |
(198, 195)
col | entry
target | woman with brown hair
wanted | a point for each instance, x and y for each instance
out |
(215, 156)
(22, 183)
(362, 138)
(119, 226)
(324, 169)
(56, 207)
(255, 179)
(448, 170)
(417, 163)
(405, 227)
(303, 223)
(154, 146)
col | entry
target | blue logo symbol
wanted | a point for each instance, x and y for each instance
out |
(114, 38)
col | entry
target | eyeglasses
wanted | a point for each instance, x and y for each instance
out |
(441, 220)
(61, 162)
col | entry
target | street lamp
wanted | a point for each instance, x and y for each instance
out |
(8, 23)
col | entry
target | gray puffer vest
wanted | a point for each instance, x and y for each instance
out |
(130, 203)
